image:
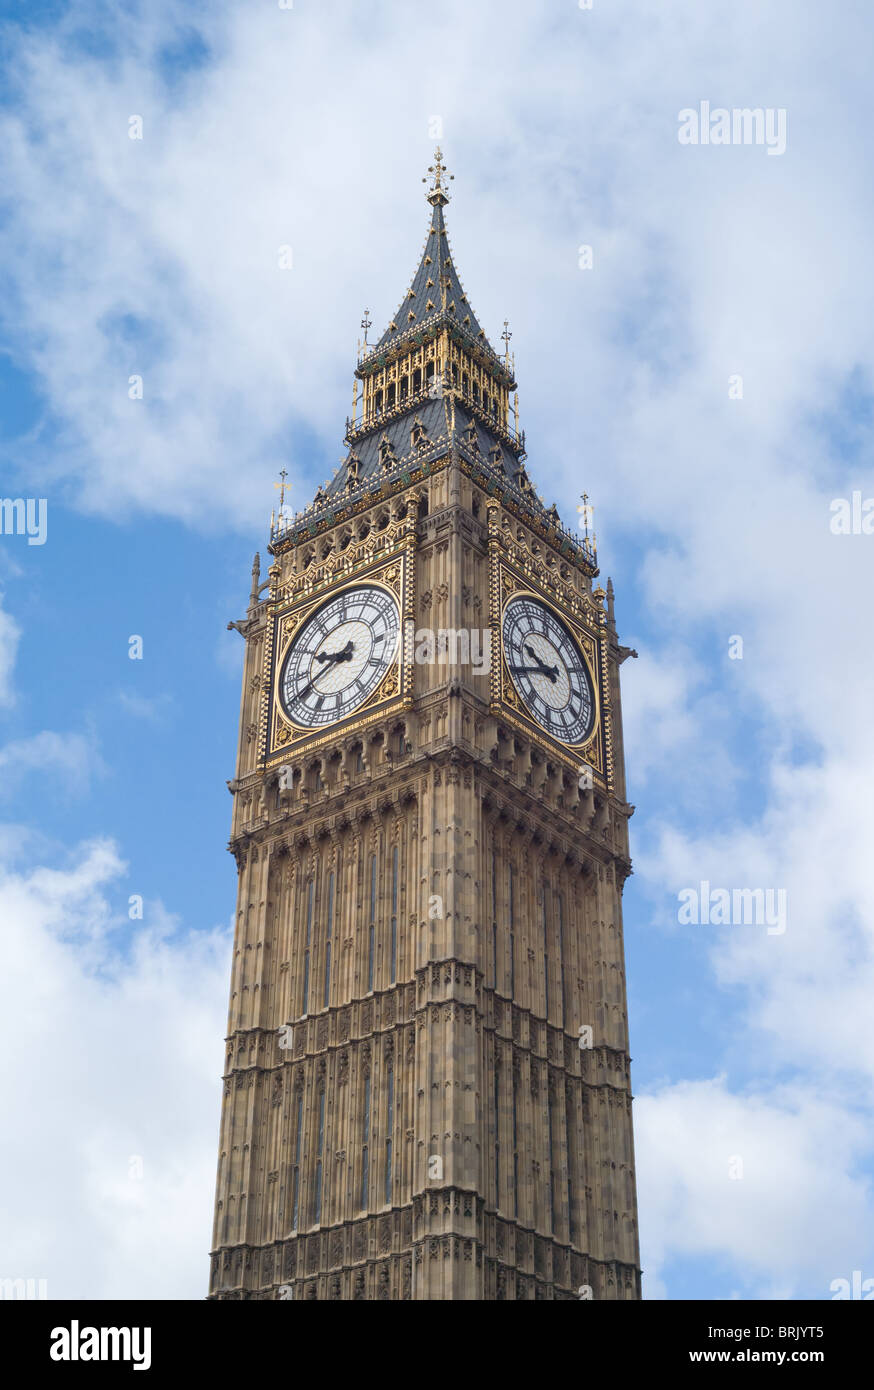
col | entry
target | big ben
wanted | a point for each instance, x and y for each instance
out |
(427, 1091)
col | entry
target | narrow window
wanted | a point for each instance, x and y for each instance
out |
(295, 1199)
(389, 1121)
(329, 930)
(497, 1136)
(551, 1169)
(559, 903)
(394, 914)
(390, 396)
(405, 386)
(515, 1156)
(545, 953)
(569, 1119)
(365, 1151)
(317, 1195)
(494, 919)
(512, 911)
(372, 934)
(417, 380)
(306, 953)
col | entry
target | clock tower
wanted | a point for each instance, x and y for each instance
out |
(426, 1088)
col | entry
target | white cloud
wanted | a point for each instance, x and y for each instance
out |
(798, 1215)
(71, 759)
(124, 1024)
(152, 708)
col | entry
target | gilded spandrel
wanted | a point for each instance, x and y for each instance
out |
(427, 1090)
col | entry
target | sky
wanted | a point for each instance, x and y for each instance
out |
(703, 371)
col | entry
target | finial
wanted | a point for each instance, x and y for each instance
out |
(256, 579)
(585, 513)
(437, 195)
(366, 323)
(505, 338)
(611, 599)
(281, 485)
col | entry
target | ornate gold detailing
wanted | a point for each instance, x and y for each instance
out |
(393, 573)
(437, 194)
(518, 565)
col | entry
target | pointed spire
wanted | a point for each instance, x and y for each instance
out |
(435, 288)
(419, 393)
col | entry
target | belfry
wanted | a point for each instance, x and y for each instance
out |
(427, 1091)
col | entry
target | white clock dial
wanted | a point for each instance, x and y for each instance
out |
(548, 670)
(339, 656)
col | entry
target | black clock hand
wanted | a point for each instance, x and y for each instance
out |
(344, 655)
(299, 694)
(551, 671)
(538, 670)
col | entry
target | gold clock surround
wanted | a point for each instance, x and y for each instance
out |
(392, 575)
(589, 634)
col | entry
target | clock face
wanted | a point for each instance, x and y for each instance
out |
(548, 670)
(339, 656)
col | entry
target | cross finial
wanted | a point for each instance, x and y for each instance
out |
(585, 513)
(281, 485)
(437, 194)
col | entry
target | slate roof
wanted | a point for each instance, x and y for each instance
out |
(435, 417)
(425, 295)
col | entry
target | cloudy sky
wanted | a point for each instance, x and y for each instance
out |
(751, 765)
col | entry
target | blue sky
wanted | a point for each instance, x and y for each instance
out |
(312, 128)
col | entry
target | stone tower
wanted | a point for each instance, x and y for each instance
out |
(426, 1091)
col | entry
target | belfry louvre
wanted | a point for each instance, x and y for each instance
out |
(427, 1090)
